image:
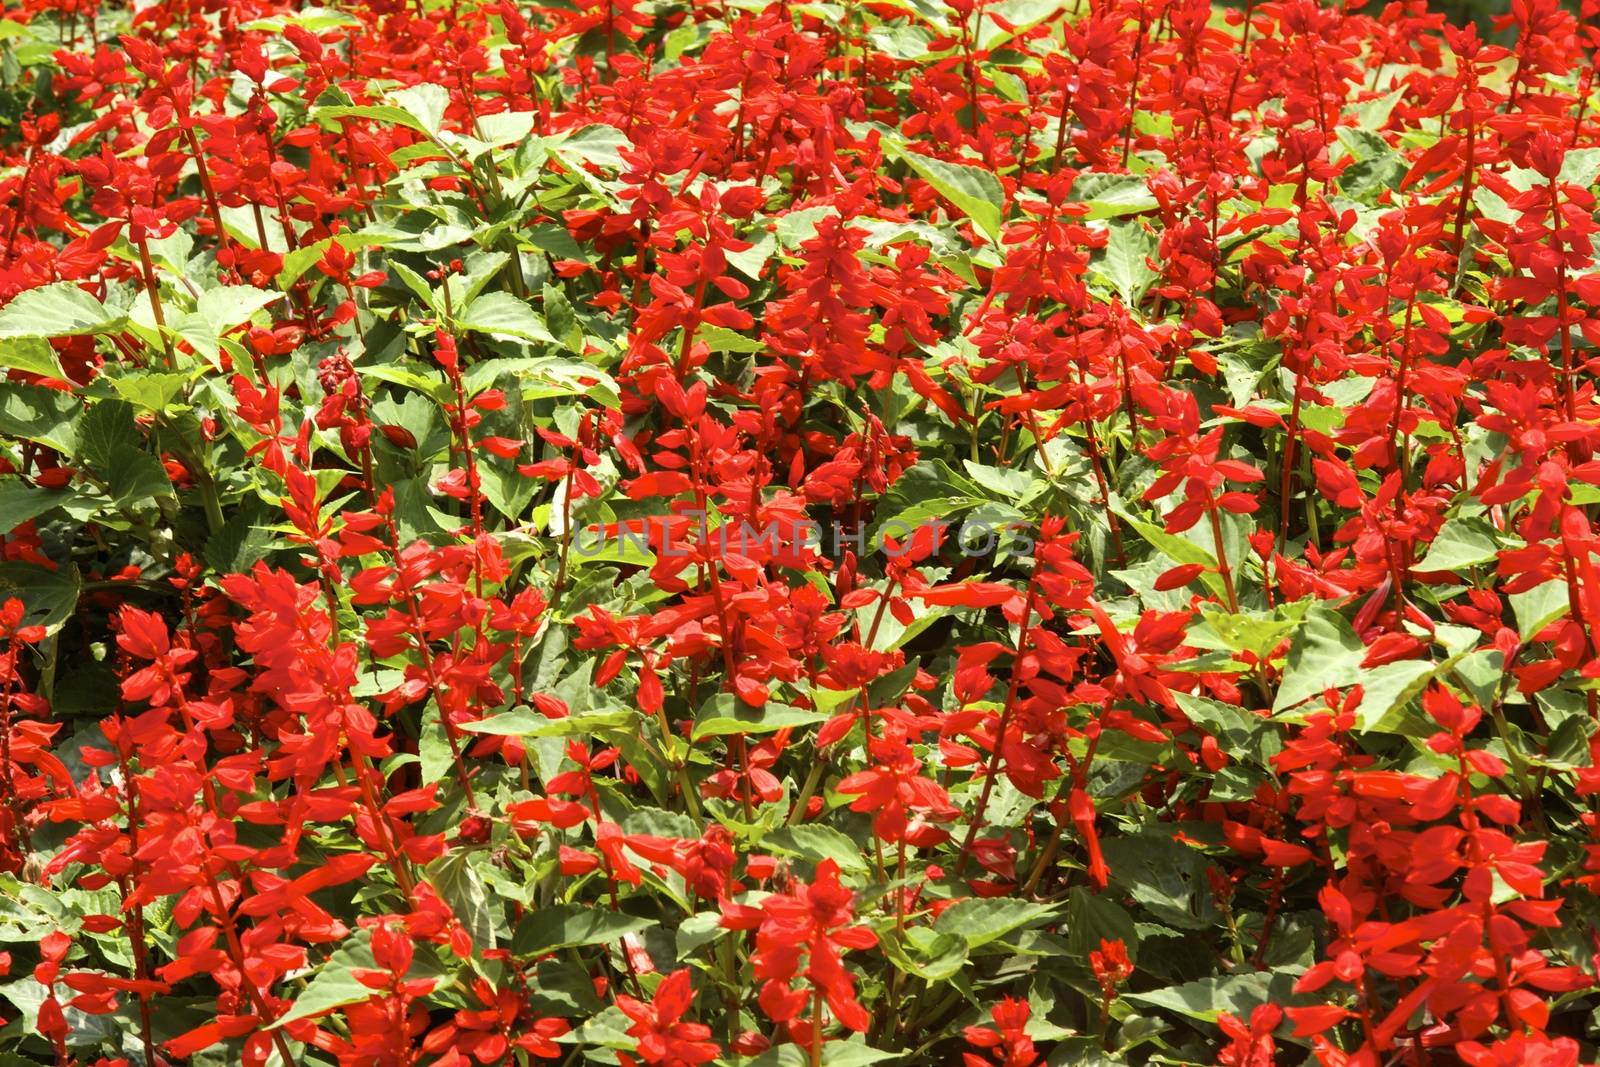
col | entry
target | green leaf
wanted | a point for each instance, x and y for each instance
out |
(480, 269)
(1581, 167)
(33, 355)
(57, 310)
(1388, 690)
(20, 502)
(848, 1053)
(722, 339)
(924, 513)
(238, 546)
(1004, 482)
(151, 391)
(409, 376)
(587, 550)
(462, 888)
(974, 190)
(136, 476)
(561, 319)
(1019, 16)
(426, 104)
(1536, 607)
(980, 920)
(1123, 262)
(108, 429)
(697, 931)
(726, 714)
(660, 823)
(334, 985)
(750, 262)
(817, 843)
(526, 722)
(1092, 918)
(1567, 749)
(50, 596)
(1163, 874)
(1374, 114)
(1239, 994)
(384, 113)
(1113, 195)
(1461, 542)
(505, 127)
(549, 376)
(572, 926)
(796, 227)
(228, 306)
(598, 144)
(1256, 632)
(1375, 168)
(928, 954)
(297, 262)
(417, 284)
(503, 315)
(1178, 549)
(1326, 653)
(420, 108)
(35, 413)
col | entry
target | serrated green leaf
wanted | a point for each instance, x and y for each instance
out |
(426, 103)
(136, 476)
(57, 310)
(20, 502)
(721, 339)
(151, 391)
(1461, 542)
(300, 260)
(598, 144)
(1113, 195)
(573, 926)
(238, 546)
(1581, 167)
(228, 306)
(503, 315)
(334, 984)
(1239, 995)
(35, 413)
(928, 954)
(461, 887)
(49, 596)
(976, 191)
(849, 1053)
(1123, 264)
(108, 429)
(816, 843)
(526, 722)
(1164, 875)
(33, 355)
(1326, 653)
(726, 714)
(980, 920)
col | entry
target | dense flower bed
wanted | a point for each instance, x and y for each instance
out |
(923, 531)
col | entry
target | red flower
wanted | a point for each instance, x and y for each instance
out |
(800, 935)
(664, 1038)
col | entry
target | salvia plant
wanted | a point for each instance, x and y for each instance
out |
(792, 532)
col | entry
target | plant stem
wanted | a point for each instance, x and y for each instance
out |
(993, 767)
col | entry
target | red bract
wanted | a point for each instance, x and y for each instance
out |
(663, 1037)
(801, 934)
